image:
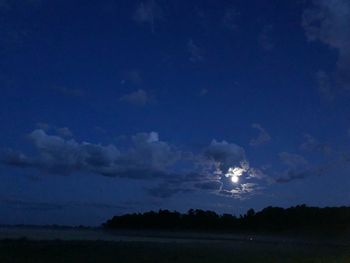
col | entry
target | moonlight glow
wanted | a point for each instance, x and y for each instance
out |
(234, 173)
(234, 179)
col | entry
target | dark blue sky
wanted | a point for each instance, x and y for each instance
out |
(110, 107)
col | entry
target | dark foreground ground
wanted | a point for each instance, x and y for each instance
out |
(53, 251)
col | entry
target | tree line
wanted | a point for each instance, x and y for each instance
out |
(298, 219)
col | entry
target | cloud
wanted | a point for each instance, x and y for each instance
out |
(148, 12)
(293, 160)
(308, 171)
(148, 150)
(137, 98)
(65, 132)
(194, 51)
(209, 185)
(225, 154)
(61, 131)
(236, 177)
(242, 191)
(312, 145)
(328, 22)
(16, 159)
(292, 175)
(262, 138)
(146, 158)
(143, 157)
(297, 167)
(255, 173)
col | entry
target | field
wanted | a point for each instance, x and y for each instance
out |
(51, 245)
(23, 250)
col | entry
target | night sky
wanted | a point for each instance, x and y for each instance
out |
(116, 106)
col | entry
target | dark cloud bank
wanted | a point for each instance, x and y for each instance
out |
(145, 158)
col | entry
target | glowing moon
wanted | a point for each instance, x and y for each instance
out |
(234, 173)
(234, 179)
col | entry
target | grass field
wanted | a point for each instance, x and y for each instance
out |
(12, 251)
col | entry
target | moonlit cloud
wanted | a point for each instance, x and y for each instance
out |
(234, 173)
(231, 163)
(242, 191)
(145, 158)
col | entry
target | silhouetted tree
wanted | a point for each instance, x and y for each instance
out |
(298, 219)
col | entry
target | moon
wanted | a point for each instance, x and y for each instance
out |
(234, 179)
